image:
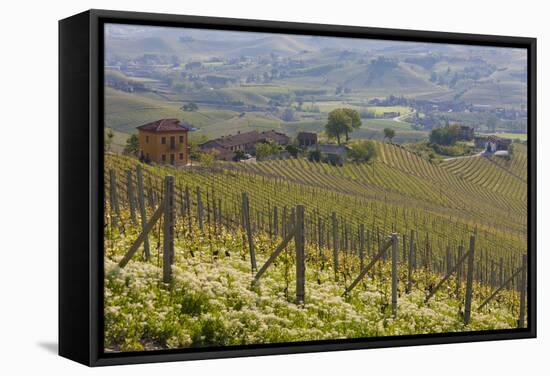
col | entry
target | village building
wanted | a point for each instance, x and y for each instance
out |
(306, 139)
(164, 141)
(492, 144)
(226, 146)
(334, 154)
(465, 133)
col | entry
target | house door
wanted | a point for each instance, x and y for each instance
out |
(172, 158)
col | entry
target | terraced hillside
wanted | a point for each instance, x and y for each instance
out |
(402, 178)
(400, 192)
(349, 211)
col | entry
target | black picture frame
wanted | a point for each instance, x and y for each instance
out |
(81, 179)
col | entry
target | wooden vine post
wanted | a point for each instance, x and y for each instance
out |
(335, 245)
(299, 240)
(188, 208)
(394, 260)
(113, 195)
(522, 300)
(131, 196)
(469, 281)
(410, 263)
(168, 231)
(199, 209)
(459, 271)
(248, 229)
(361, 246)
(142, 211)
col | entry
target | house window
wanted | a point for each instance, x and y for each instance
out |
(164, 157)
(163, 140)
(146, 139)
(181, 156)
(181, 140)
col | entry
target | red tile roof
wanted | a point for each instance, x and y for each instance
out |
(166, 125)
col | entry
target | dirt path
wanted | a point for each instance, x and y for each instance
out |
(463, 156)
(398, 118)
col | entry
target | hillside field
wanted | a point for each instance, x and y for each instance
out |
(434, 211)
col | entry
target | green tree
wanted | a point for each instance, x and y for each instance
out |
(265, 149)
(389, 134)
(239, 155)
(108, 139)
(207, 158)
(363, 151)
(355, 120)
(444, 136)
(292, 149)
(338, 124)
(132, 146)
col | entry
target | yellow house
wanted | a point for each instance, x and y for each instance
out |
(164, 141)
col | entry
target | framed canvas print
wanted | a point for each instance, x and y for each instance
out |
(239, 187)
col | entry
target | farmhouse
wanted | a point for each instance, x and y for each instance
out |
(306, 139)
(164, 141)
(390, 114)
(492, 144)
(465, 133)
(227, 146)
(334, 154)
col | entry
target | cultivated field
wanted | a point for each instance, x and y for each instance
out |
(436, 212)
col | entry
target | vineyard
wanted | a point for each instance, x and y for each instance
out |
(294, 250)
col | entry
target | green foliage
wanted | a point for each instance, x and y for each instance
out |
(362, 151)
(293, 150)
(206, 158)
(108, 139)
(456, 150)
(342, 121)
(389, 133)
(444, 136)
(239, 155)
(132, 146)
(354, 116)
(266, 149)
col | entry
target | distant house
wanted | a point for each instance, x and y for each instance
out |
(227, 146)
(480, 141)
(164, 141)
(492, 144)
(306, 139)
(334, 154)
(465, 133)
(390, 114)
